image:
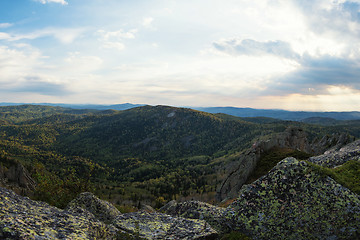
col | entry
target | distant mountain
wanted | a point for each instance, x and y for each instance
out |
(123, 106)
(267, 115)
(280, 114)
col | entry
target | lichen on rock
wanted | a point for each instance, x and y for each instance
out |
(162, 226)
(102, 210)
(23, 218)
(336, 157)
(294, 202)
(199, 210)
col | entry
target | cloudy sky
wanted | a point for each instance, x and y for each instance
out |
(283, 54)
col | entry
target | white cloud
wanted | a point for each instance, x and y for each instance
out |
(4, 36)
(22, 71)
(250, 47)
(62, 2)
(147, 22)
(114, 39)
(5, 25)
(64, 35)
(80, 64)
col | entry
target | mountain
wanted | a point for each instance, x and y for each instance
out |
(280, 114)
(148, 154)
(123, 106)
(268, 115)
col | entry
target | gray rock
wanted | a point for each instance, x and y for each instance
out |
(200, 210)
(23, 218)
(295, 138)
(102, 210)
(17, 175)
(294, 202)
(336, 157)
(163, 226)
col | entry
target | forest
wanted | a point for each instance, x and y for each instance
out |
(144, 155)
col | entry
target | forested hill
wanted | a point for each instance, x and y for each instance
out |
(148, 153)
(159, 132)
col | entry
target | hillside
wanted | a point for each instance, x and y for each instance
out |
(294, 200)
(280, 114)
(140, 155)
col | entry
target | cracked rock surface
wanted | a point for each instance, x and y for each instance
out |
(337, 157)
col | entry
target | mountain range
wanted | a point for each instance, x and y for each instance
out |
(149, 155)
(234, 111)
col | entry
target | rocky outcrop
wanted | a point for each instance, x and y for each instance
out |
(88, 217)
(102, 210)
(199, 210)
(161, 226)
(16, 176)
(295, 138)
(294, 202)
(23, 218)
(335, 157)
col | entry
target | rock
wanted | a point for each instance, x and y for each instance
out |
(295, 138)
(23, 218)
(162, 226)
(17, 175)
(147, 208)
(330, 142)
(167, 206)
(102, 210)
(336, 157)
(88, 217)
(238, 172)
(200, 210)
(294, 202)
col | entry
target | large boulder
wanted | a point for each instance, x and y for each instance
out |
(23, 218)
(102, 210)
(294, 202)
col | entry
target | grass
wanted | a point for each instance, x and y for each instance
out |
(347, 174)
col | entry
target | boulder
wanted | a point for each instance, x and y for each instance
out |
(23, 218)
(88, 217)
(294, 202)
(102, 210)
(199, 210)
(162, 226)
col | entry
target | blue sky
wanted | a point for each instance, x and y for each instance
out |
(287, 54)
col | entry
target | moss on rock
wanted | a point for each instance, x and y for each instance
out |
(294, 202)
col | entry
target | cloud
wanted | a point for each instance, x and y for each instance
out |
(5, 25)
(5, 36)
(62, 2)
(79, 64)
(317, 74)
(236, 46)
(147, 22)
(64, 35)
(114, 39)
(37, 84)
(20, 71)
(338, 18)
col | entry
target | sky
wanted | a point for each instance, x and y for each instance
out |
(267, 54)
